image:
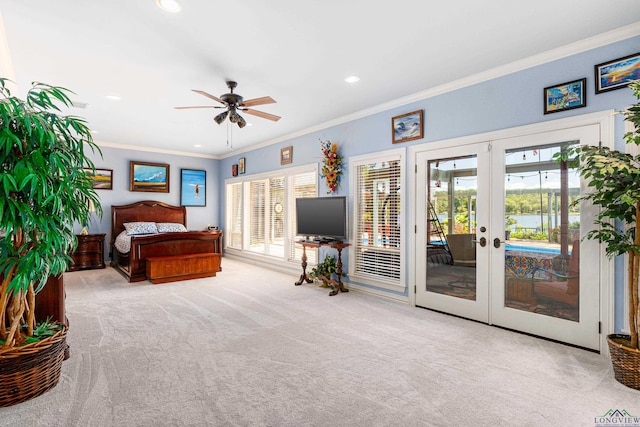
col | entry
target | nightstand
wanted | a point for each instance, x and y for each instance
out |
(89, 254)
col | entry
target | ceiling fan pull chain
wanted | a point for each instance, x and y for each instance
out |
(229, 136)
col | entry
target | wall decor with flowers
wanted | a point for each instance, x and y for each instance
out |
(331, 165)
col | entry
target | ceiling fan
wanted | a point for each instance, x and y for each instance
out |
(234, 102)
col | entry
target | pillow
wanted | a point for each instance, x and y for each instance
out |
(170, 227)
(135, 228)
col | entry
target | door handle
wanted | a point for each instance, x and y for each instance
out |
(482, 241)
(496, 242)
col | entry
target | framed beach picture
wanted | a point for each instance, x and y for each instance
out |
(151, 177)
(193, 187)
(101, 179)
(618, 73)
(565, 96)
(407, 127)
(241, 165)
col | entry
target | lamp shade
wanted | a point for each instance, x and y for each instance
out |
(220, 117)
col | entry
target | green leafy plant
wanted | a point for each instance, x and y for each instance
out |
(45, 191)
(614, 178)
(325, 270)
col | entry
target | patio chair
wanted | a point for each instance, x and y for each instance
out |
(564, 287)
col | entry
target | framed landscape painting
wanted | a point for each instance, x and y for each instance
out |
(101, 179)
(618, 73)
(193, 187)
(151, 177)
(407, 127)
(565, 96)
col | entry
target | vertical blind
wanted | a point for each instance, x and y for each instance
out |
(301, 185)
(233, 233)
(377, 220)
(261, 214)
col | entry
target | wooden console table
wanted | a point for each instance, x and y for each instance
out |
(304, 277)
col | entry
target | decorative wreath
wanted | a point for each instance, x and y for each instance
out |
(332, 165)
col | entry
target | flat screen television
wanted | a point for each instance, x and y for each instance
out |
(322, 218)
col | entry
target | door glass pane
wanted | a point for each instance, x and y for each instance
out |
(451, 226)
(542, 233)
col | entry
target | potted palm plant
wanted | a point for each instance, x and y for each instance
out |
(614, 178)
(45, 191)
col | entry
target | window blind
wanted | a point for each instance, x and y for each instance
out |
(377, 220)
(233, 232)
(301, 185)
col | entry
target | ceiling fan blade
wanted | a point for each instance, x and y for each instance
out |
(208, 95)
(257, 101)
(199, 106)
(261, 114)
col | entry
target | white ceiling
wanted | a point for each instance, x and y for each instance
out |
(297, 52)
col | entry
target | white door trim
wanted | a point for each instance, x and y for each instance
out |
(605, 119)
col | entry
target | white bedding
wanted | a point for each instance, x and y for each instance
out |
(123, 240)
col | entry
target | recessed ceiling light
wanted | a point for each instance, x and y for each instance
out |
(94, 132)
(198, 145)
(352, 79)
(113, 97)
(171, 6)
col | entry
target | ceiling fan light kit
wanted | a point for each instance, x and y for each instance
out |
(234, 102)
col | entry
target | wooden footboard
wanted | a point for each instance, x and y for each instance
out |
(133, 265)
(168, 245)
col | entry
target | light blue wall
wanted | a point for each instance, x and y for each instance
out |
(505, 102)
(118, 160)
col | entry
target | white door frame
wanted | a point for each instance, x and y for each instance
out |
(605, 119)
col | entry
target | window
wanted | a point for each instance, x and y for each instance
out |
(260, 212)
(377, 212)
(234, 215)
(302, 185)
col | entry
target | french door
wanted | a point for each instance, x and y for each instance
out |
(500, 236)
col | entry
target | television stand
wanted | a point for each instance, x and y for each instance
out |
(304, 277)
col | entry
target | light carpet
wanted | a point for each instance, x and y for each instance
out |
(248, 348)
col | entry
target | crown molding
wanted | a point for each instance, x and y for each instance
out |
(155, 150)
(584, 45)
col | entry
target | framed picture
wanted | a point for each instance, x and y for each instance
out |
(234, 170)
(407, 127)
(152, 177)
(565, 96)
(101, 179)
(286, 155)
(618, 73)
(193, 187)
(241, 164)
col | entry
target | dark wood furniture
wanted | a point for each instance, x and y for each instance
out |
(50, 304)
(89, 254)
(304, 277)
(50, 301)
(133, 264)
(183, 267)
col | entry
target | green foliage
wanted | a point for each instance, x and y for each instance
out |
(327, 268)
(614, 180)
(44, 187)
(522, 233)
(44, 330)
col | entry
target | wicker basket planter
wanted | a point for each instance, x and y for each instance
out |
(625, 360)
(31, 370)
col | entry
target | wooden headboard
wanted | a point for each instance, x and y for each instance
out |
(146, 210)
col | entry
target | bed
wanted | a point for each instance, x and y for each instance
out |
(166, 256)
